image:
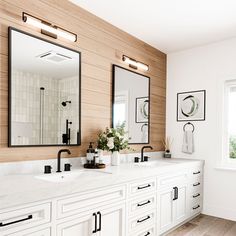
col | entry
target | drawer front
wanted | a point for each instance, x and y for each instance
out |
(197, 171)
(196, 208)
(139, 205)
(196, 186)
(83, 202)
(170, 180)
(142, 187)
(33, 232)
(24, 218)
(142, 221)
(147, 232)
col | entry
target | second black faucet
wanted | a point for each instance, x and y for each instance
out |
(59, 158)
(144, 147)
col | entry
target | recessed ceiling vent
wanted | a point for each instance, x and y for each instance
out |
(54, 57)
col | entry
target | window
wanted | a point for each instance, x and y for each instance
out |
(230, 121)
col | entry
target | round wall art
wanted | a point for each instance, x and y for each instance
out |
(191, 106)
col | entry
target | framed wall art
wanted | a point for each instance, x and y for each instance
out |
(142, 110)
(191, 106)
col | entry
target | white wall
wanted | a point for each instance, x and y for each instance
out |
(205, 67)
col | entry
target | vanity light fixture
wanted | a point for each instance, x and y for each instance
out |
(135, 64)
(48, 29)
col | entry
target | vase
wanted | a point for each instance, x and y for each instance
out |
(115, 158)
(100, 154)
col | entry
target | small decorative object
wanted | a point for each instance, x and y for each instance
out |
(113, 140)
(167, 144)
(142, 110)
(191, 106)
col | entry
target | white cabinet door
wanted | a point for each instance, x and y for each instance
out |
(111, 221)
(172, 207)
(165, 209)
(180, 205)
(80, 226)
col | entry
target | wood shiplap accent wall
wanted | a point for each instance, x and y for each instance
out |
(101, 45)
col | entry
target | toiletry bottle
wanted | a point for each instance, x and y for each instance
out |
(96, 157)
(90, 153)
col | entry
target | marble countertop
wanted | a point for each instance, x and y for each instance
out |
(21, 189)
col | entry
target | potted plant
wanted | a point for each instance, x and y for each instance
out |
(113, 140)
(167, 142)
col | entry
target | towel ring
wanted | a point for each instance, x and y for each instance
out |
(189, 123)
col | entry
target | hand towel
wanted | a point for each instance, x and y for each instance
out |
(188, 142)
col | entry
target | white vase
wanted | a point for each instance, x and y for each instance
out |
(100, 154)
(115, 158)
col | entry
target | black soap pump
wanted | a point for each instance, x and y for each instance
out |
(90, 153)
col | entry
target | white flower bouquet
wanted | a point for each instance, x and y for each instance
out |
(113, 139)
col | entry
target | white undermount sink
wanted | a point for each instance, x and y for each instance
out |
(68, 176)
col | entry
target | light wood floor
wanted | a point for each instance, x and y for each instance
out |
(204, 225)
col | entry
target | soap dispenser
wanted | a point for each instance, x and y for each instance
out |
(90, 153)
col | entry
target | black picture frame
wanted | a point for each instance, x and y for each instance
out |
(136, 109)
(10, 30)
(204, 106)
(114, 66)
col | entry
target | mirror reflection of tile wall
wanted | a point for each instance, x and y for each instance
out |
(27, 104)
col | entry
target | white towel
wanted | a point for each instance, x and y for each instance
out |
(188, 142)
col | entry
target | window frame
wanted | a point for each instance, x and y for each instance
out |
(230, 162)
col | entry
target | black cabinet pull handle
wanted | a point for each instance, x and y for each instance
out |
(100, 221)
(194, 208)
(17, 221)
(140, 221)
(95, 227)
(147, 186)
(197, 195)
(175, 193)
(194, 185)
(196, 173)
(148, 233)
(142, 204)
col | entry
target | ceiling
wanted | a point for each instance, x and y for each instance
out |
(169, 25)
(26, 52)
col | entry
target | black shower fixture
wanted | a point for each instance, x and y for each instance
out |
(64, 103)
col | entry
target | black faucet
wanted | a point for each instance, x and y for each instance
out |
(144, 147)
(59, 158)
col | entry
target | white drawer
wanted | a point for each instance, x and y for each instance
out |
(78, 203)
(24, 218)
(138, 205)
(195, 199)
(197, 171)
(33, 232)
(147, 232)
(196, 187)
(196, 208)
(142, 221)
(172, 179)
(142, 187)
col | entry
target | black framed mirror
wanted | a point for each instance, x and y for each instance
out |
(44, 92)
(131, 103)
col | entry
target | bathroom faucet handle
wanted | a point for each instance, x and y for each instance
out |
(136, 159)
(47, 169)
(67, 167)
(145, 158)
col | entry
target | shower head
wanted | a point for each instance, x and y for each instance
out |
(64, 103)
